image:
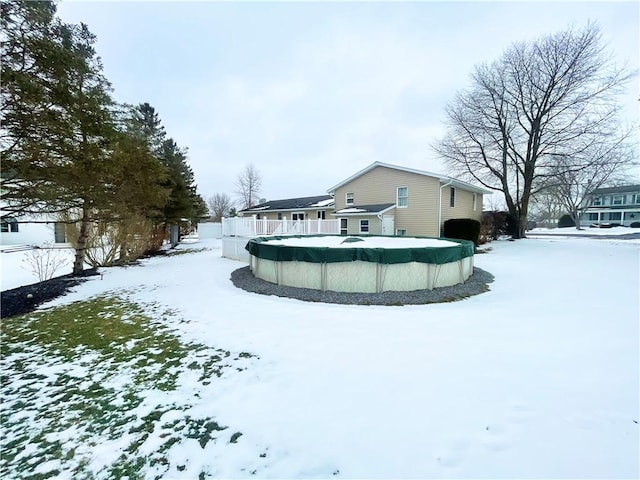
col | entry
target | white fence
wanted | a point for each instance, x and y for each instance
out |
(237, 231)
(254, 227)
(209, 230)
(233, 248)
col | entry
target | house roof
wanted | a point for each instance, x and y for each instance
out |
(622, 189)
(365, 209)
(317, 202)
(442, 178)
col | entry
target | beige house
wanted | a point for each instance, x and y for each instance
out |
(384, 199)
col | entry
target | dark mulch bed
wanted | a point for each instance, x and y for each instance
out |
(25, 299)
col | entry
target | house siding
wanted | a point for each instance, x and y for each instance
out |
(420, 217)
(463, 205)
(353, 225)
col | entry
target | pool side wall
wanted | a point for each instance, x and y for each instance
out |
(362, 277)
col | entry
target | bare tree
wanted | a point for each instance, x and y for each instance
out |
(219, 206)
(576, 178)
(539, 103)
(248, 185)
(545, 209)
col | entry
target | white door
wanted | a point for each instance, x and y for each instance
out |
(387, 226)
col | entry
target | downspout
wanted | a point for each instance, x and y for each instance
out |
(440, 206)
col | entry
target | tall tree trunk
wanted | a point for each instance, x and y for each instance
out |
(81, 246)
(575, 216)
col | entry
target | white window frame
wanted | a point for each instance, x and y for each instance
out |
(452, 197)
(349, 198)
(475, 202)
(615, 219)
(597, 201)
(405, 197)
(322, 214)
(619, 198)
(298, 215)
(401, 232)
(368, 225)
(636, 198)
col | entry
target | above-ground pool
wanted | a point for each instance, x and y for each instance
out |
(365, 264)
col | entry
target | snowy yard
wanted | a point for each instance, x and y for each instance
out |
(166, 369)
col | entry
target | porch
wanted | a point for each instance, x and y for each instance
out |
(236, 231)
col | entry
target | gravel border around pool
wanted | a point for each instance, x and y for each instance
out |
(476, 284)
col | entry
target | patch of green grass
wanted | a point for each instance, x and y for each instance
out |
(72, 378)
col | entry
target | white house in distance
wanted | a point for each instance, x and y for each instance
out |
(613, 205)
(30, 230)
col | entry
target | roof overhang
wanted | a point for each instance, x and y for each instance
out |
(443, 178)
(360, 212)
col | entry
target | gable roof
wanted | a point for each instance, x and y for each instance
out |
(442, 178)
(365, 209)
(317, 202)
(622, 189)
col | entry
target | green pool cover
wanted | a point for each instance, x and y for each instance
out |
(261, 248)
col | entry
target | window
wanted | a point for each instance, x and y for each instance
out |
(344, 223)
(635, 198)
(59, 232)
(364, 226)
(322, 214)
(402, 197)
(452, 197)
(348, 199)
(615, 216)
(9, 225)
(401, 232)
(593, 217)
(617, 200)
(297, 216)
(475, 202)
(597, 201)
(258, 216)
(279, 215)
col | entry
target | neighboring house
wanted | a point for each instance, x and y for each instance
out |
(386, 199)
(614, 205)
(304, 208)
(29, 230)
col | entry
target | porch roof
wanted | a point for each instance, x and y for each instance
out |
(318, 202)
(358, 210)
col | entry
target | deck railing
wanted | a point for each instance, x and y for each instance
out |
(254, 227)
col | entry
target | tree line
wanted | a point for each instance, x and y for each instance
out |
(105, 169)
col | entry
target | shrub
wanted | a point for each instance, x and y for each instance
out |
(495, 224)
(566, 221)
(463, 229)
(635, 225)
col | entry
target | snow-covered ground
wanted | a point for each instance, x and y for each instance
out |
(537, 378)
(336, 241)
(584, 231)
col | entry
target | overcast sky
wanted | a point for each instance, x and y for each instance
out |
(310, 93)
